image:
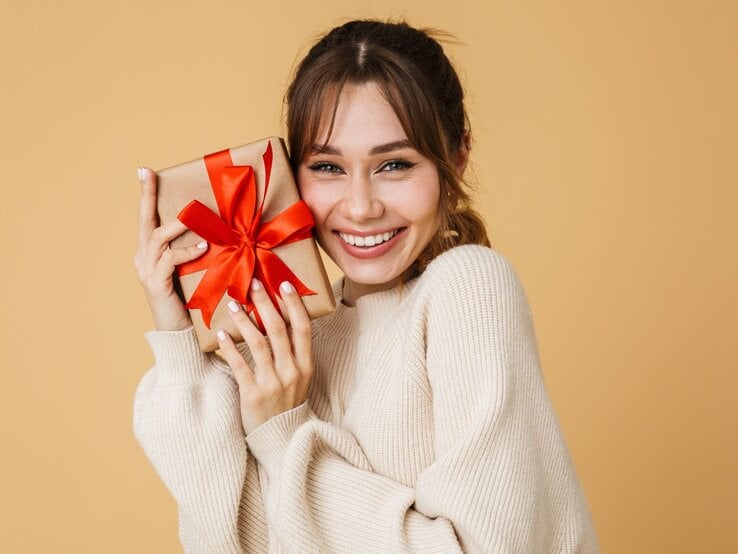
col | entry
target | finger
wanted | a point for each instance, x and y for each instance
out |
(301, 328)
(149, 256)
(256, 341)
(285, 366)
(163, 269)
(162, 236)
(172, 257)
(241, 371)
(274, 323)
(147, 218)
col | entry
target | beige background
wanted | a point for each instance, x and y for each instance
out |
(605, 153)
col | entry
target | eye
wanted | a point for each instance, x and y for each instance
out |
(396, 165)
(325, 167)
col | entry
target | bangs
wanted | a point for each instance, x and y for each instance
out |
(315, 101)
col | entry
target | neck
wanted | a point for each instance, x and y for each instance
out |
(352, 290)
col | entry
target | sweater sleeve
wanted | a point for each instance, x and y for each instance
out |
(187, 419)
(500, 449)
(501, 480)
(321, 494)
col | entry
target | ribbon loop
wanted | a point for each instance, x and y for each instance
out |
(201, 219)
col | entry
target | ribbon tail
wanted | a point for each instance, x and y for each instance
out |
(267, 159)
(209, 291)
(240, 280)
(275, 272)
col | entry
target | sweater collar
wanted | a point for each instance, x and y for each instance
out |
(370, 310)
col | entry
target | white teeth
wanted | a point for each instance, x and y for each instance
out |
(371, 240)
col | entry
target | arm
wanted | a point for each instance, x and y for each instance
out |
(185, 410)
(493, 418)
(187, 420)
(322, 495)
(501, 480)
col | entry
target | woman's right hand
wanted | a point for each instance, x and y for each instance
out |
(155, 261)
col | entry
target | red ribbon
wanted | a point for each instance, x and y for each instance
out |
(239, 243)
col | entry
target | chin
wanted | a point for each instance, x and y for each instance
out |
(371, 278)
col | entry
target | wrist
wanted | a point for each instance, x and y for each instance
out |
(170, 314)
(171, 322)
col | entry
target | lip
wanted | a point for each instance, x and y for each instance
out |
(364, 252)
(367, 233)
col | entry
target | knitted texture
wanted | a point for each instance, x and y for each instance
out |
(427, 429)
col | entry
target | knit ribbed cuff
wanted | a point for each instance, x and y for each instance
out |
(177, 354)
(270, 439)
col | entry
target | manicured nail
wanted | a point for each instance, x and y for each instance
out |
(143, 174)
(202, 245)
(221, 335)
(287, 287)
(233, 306)
(140, 178)
(255, 284)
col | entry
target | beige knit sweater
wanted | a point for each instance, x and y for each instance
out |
(427, 429)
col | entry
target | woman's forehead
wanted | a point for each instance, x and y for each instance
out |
(358, 112)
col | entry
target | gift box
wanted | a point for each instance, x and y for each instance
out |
(245, 203)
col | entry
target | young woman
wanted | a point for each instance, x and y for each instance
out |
(415, 417)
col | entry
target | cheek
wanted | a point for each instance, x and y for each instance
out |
(423, 202)
(316, 200)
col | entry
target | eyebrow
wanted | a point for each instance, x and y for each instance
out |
(380, 149)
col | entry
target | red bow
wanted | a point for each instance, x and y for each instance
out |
(239, 244)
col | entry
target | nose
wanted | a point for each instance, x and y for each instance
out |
(360, 201)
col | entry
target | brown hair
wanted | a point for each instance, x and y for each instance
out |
(419, 82)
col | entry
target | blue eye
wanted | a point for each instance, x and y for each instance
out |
(397, 165)
(325, 167)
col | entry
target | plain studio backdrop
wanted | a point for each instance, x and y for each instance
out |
(605, 137)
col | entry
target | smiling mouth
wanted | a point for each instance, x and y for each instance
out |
(368, 241)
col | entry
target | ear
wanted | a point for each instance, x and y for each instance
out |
(462, 156)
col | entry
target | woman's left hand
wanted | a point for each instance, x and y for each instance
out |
(281, 374)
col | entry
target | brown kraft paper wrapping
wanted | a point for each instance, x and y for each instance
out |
(177, 186)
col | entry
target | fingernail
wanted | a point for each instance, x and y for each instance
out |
(287, 287)
(202, 245)
(139, 174)
(221, 335)
(233, 306)
(255, 284)
(142, 173)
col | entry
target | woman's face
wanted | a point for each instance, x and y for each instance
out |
(374, 197)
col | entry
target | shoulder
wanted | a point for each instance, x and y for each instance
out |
(472, 269)
(472, 288)
(468, 257)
